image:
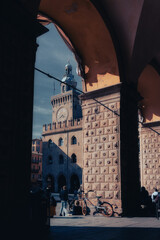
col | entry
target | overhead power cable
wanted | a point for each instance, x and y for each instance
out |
(115, 112)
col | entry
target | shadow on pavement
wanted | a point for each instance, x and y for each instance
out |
(102, 233)
(72, 217)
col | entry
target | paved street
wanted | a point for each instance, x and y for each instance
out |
(102, 228)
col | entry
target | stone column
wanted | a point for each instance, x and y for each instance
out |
(17, 48)
(130, 178)
(111, 146)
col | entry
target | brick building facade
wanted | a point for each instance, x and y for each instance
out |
(36, 162)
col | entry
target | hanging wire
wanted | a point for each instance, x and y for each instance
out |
(115, 112)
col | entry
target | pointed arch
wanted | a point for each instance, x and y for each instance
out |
(60, 142)
(73, 140)
(73, 158)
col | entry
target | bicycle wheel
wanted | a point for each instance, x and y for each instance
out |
(108, 209)
(84, 209)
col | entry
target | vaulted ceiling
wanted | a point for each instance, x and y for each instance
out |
(113, 41)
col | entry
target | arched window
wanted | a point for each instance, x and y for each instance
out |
(60, 142)
(73, 140)
(73, 158)
(61, 159)
(50, 143)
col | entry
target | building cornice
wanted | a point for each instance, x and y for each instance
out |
(54, 132)
(101, 92)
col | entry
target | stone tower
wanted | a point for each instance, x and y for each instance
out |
(62, 140)
(66, 105)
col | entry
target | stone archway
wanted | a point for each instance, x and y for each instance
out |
(74, 183)
(18, 58)
(61, 182)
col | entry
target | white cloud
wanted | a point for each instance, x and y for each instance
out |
(36, 134)
(41, 110)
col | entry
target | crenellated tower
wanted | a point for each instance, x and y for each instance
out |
(66, 105)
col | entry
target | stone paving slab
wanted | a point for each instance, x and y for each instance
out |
(103, 228)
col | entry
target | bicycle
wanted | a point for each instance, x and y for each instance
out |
(104, 208)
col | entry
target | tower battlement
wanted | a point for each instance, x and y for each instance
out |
(69, 124)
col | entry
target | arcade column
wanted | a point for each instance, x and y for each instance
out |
(111, 147)
(17, 48)
(129, 145)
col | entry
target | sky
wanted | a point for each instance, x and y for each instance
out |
(51, 57)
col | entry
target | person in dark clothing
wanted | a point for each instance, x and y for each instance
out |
(64, 199)
(53, 205)
(144, 196)
(77, 209)
(145, 201)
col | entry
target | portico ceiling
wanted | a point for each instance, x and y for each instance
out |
(112, 41)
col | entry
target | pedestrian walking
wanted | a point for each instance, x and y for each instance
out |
(64, 199)
(154, 195)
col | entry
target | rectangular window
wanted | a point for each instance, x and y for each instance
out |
(37, 149)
